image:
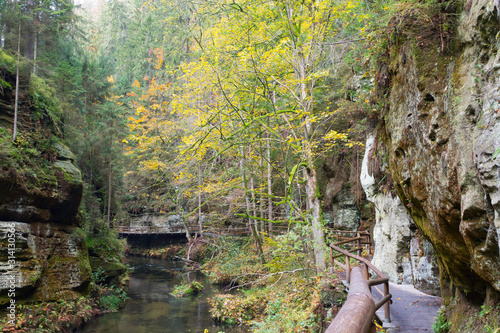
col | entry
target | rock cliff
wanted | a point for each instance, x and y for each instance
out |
(40, 193)
(441, 130)
(400, 252)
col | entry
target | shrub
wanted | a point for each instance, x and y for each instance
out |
(441, 325)
(231, 309)
(112, 298)
(183, 290)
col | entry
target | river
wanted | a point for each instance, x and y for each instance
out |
(152, 309)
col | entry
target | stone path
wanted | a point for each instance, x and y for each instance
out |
(411, 310)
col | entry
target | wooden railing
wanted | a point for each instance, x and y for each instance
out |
(150, 229)
(208, 230)
(361, 239)
(357, 313)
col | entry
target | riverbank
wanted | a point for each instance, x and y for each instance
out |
(153, 309)
(64, 315)
(277, 290)
(281, 290)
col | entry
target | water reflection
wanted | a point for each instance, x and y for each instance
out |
(153, 310)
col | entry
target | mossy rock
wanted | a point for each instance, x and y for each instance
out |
(190, 289)
(63, 152)
(71, 173)
(108, 269)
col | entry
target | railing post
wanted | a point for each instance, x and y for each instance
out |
(359, 243)
(366, 275)
(387, 309)
(331, 256)
(348, 268)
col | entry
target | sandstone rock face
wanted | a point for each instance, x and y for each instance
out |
(163, 221)
(343, 212)
(442, 135)
(402, 256)
(51, 257)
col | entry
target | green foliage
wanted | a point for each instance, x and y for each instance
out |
(441, 325)
(99, 275)
(289, 251)
(6, 149)
(231, 309)
(102, 240)
(288, 306)
(61, 316)
(5, 84)
(8, 62)
(45, 99)
(29, 159)
(283, 295)
(189, 289)
(496, 154)
(112, 298)
(292, 308)
(236, 262)
(489, 316)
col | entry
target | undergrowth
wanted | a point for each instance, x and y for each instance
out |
(62, 316)
(441, 325)
(284, 294)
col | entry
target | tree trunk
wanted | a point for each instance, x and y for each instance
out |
(199, 199)
(186, 226)
(317, 231)
(10, 25)
(30, 31)
(35, 50)
(305, 101)
(17, 82)
(258, 243)
(254, 207)
(269, 187)
(245, 186)
(110, 178)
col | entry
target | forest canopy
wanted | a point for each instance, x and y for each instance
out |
(219, 111)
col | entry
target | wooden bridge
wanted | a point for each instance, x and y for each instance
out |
(242, 230)
(141, 230)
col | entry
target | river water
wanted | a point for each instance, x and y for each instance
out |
(152, 309)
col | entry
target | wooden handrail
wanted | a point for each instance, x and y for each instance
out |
(357, 312)
(352, 311)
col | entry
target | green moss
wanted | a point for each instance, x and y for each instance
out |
(8, 62)
(44, 99)
(184, 290)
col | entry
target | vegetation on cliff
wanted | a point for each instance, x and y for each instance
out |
(43, 76)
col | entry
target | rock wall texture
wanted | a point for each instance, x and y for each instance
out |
(51, 256)
(343, 212)
(399, 251)
(441, 130)
(40, 194)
